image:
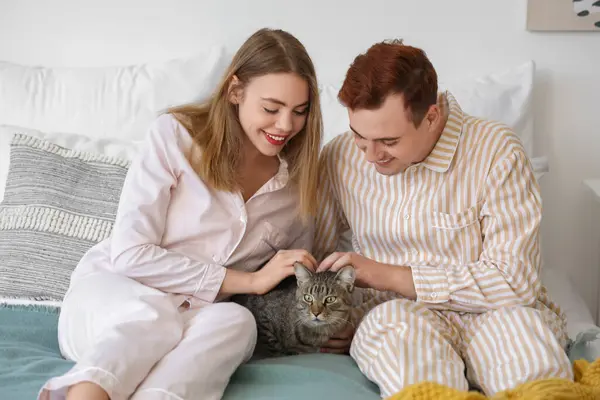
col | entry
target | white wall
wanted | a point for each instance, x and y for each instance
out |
(462, 37)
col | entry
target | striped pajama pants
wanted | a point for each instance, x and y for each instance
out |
(401, 342)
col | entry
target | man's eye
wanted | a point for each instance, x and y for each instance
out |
(390, 143)
(269, 110)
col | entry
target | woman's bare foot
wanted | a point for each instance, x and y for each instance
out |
(86, 391)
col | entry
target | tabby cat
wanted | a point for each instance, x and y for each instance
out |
(302, 313)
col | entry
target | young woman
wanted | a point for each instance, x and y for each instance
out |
(218, 190)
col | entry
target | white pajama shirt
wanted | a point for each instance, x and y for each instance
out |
(172, 241)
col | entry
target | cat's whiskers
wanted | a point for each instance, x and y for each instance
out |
(343, 321)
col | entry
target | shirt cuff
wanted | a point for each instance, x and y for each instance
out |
(208, 287)
(431, 284)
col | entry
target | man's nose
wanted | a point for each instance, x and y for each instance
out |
(372, 152)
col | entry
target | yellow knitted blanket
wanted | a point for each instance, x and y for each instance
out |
(585, 387)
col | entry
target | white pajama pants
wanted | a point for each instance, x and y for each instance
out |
(401, 342)
(136, 342)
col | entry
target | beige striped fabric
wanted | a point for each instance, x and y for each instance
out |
(466, 220)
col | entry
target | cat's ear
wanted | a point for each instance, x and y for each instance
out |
(303, 274)
(346, 277)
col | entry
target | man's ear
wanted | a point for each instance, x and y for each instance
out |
(303, 274)
(434, 118)
(234, 90)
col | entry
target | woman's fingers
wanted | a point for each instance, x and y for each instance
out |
(301, 256)
(312, 261)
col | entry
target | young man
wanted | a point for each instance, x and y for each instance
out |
(444, 211)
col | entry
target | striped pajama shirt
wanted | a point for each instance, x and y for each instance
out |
(466, 220)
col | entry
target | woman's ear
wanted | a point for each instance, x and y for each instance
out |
(234, 90)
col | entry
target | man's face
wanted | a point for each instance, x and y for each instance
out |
(389, 138)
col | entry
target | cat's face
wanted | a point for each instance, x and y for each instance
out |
(324, 298)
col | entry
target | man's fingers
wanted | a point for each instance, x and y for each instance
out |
(334, 351)
(336, 346)
(345, 335)
(337, 343)
(328, 261)
(340, 263)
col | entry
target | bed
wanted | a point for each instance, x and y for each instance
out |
(121, 102)
(29, 355)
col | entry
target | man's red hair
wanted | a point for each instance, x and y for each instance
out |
(390, 67)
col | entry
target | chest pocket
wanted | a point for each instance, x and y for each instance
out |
(457, 235)
(272, 239)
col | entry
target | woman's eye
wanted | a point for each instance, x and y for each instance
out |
(308, 298)
(269, 110)
(301, 112)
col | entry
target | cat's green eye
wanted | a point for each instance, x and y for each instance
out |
(330, 299)
(308, 298)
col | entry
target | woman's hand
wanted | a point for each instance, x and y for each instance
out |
(280, 267)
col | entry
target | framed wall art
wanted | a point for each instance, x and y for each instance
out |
(563, 15)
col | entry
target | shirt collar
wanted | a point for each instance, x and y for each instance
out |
(441, 156)
(283, 174)
(277, 182)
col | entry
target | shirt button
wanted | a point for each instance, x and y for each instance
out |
(406, 216)
(433, 295)
(414, 251)
(186, 305)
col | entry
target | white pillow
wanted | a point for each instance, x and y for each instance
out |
(104, 102)
(505, 96)
(112, 147)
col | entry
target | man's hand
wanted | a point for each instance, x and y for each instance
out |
(372, 274)
(367, 270)
(340, 343)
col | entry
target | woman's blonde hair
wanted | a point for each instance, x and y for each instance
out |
(216, 129)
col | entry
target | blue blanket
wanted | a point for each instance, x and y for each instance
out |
(29, 355)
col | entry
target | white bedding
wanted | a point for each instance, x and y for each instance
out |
(562, 291)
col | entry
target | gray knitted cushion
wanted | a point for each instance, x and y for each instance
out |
(57, 204)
